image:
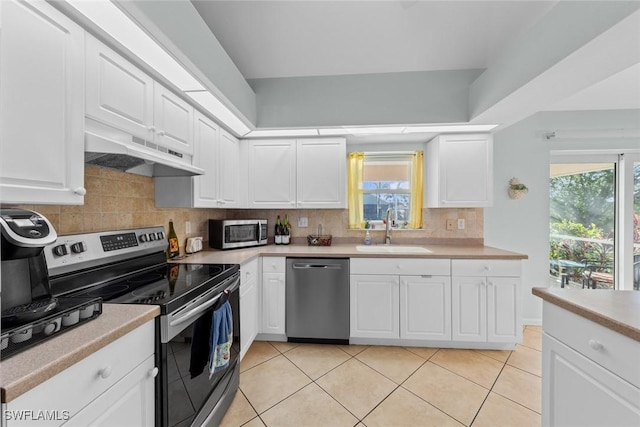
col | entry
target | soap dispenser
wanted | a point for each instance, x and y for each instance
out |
(367, 238)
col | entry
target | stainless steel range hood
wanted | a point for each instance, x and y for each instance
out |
(109, 148)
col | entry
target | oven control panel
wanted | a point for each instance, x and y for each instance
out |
(79, 250)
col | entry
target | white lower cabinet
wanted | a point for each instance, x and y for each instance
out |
(486, 301)
(425, 307)
(590, 374)
(375, 306)
(248, 304)
(113, 386)
(401, 298)
(273, 295)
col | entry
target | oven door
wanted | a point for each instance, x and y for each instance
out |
(188, 394)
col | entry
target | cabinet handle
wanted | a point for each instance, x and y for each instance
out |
(161, 133)
(105, 372)
(80, 191)
(153, 372)
(490, 283)
(152, 128)
(596, 345)
(487, 268)
(483, 284)
(399, 266)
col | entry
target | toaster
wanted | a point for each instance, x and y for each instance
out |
(194, 244)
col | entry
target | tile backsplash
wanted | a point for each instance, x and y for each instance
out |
(119, 200)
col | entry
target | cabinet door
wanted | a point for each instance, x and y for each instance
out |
(248, 304)
(229, 171)
(321, 173)
(469, 308)
(273, 303)
(375, 306)
(41, 105)
(248, 315)
(503, 309)
(272, 174)
(130, 402)
(578, 392)
(425, 307)
(173, 121)
(460, 171)
(206, 143)
(118, 93)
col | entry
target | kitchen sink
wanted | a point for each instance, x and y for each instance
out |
(393, 249)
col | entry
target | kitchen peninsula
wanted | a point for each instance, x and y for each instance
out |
(590, 357)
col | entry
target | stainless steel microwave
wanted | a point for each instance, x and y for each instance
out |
(237, 233)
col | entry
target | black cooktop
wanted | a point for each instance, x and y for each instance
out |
(167, 285)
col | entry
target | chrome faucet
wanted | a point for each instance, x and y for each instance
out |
(387, 231)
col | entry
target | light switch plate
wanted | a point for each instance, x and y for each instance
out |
(303, 222)
(461, 224)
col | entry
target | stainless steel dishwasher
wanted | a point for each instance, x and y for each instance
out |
(317, 295)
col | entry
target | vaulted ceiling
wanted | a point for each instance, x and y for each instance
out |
(336, 63)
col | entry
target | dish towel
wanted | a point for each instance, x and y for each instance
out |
(221, 339)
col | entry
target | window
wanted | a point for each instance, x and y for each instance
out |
(379, 181)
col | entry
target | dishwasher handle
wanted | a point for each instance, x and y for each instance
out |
(300, 266)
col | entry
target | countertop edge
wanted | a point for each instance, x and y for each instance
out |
(345, 250)
(593, 315)
(23, 383)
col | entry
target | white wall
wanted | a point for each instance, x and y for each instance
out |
(522, 151)
(522, 225)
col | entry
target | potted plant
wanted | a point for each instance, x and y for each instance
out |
(517, 189)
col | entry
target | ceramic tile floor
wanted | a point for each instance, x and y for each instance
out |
(286, 384)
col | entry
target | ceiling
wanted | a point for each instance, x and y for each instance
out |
(284, 39)
(269, 39)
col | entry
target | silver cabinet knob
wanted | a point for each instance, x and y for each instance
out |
(80, 191)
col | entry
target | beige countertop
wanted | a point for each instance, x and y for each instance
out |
(616, 310)
(346, 250)
(26, 370)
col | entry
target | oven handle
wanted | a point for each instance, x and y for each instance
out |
(199, 309)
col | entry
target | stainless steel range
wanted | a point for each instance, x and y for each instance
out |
(129, 267)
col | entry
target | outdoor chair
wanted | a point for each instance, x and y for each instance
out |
(595, 272)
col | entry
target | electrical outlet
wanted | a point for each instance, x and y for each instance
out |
(303, 222)
(460, 223)
(187, 227)
(451, 224)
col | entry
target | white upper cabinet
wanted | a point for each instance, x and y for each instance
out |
(272, 174)
(41, 105)
(121, 95)
(173, 120)
(118, 92)
(459, 171)
(217, 152)
(309, 173)
(231, 179)
(321, 172)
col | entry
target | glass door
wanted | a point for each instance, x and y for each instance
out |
(582, 222)
(594, 220)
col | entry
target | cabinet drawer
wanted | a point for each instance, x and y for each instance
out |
(485, 267)
(75, 387)
(401, 266)
(615, 352)
(274, 264)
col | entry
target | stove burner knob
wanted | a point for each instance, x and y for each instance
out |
(79, 247)
(152, 236)
(160, 235)
(61, 250)
(144, 238)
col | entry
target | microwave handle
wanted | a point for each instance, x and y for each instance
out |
(259, 232)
